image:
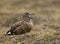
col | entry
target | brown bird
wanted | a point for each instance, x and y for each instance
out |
(23, 26)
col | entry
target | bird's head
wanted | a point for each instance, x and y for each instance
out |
(28, 15)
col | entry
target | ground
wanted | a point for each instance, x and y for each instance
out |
(38, 35)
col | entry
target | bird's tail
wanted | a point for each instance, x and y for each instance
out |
(8, 33)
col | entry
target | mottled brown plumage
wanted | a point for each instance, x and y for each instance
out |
(23, 26)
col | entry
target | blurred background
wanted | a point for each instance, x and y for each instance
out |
(43, 9)
(47, 15)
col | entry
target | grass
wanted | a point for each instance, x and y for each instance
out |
(43, 35)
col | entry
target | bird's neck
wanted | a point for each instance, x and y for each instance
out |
(31, 22)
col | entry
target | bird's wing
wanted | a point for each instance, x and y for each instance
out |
(15, 25)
